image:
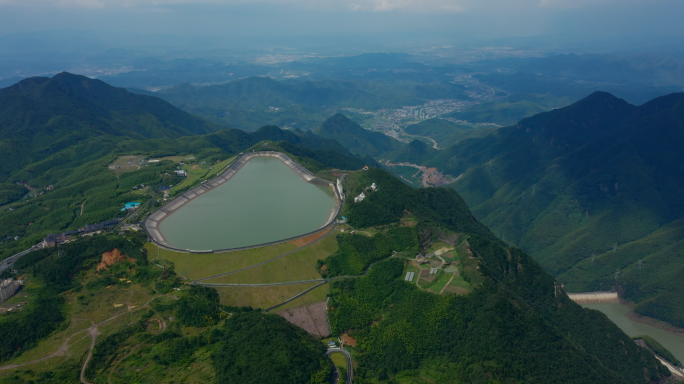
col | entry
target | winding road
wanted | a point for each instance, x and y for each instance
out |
(350, 366)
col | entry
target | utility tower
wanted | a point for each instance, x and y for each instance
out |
(615, 247)
(640, 265)
(617, 274)
(593, 257)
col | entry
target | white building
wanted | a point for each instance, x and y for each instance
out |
(360, 197)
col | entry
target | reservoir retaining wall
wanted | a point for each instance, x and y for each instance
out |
(594, 297)
(153, 221)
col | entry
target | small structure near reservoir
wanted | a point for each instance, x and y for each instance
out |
(8, 288)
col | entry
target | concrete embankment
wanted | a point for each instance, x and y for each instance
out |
(594, 297)
(154, 220)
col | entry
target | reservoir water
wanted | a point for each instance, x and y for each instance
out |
(265, 201)
(618, 314)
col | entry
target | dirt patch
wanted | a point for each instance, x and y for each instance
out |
(424, 272)
(310, 318)
(456, 289)
(308, 239)
(348, 340)
(112, 257)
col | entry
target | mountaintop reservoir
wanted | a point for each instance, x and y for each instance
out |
(264, 201)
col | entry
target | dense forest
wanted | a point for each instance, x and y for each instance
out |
(516, 326)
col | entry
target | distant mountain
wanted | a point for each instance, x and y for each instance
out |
(574, 182)
(252, 102)
(41, 116)
(355, 138)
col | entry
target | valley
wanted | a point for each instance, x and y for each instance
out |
(393, 243)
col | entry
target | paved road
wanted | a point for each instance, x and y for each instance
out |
(7, 263)
(350, 367)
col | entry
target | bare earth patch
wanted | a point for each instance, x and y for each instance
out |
(310, 318)
(308, 239)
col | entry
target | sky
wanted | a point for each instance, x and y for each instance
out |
(276, 21)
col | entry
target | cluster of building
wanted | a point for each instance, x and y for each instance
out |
(52, 240)
(9, 287)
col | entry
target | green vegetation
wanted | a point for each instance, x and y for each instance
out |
(447, 133)
(394, 200)
(357, 252)
(573, 182)
(355, 138)
(511, 110)
(198, 342)
(262, 348)
(658, 349)
(11, 192)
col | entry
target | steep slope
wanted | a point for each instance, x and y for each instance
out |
(40, 117)
(355, 138)
(577, 181)
(516, 324)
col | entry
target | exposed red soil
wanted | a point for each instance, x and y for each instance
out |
(308, 239)
(112, 257)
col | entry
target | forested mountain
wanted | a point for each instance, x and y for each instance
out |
(601, 179)
(355, 138)
(40, 117)
(517, 325)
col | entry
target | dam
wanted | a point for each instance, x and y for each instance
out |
(262, 197)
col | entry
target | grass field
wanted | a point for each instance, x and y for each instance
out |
(441, 281)
(199, 172)
(265, 297)
(300, 265)
(196, 266)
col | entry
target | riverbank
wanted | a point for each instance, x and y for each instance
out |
(655, 323)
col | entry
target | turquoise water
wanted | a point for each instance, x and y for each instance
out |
(617, 313)
(265, 201)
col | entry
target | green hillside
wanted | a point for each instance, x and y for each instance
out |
(355, 138)
(516, 325)
(39, 117)
(447, 133)
(576, 181)
(510, 110)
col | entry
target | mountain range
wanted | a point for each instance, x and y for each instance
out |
(515, 324)
(570, 184)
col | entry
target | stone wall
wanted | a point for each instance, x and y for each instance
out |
(8, 288)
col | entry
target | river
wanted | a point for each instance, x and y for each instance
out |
(265, 201)
(618, 314)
